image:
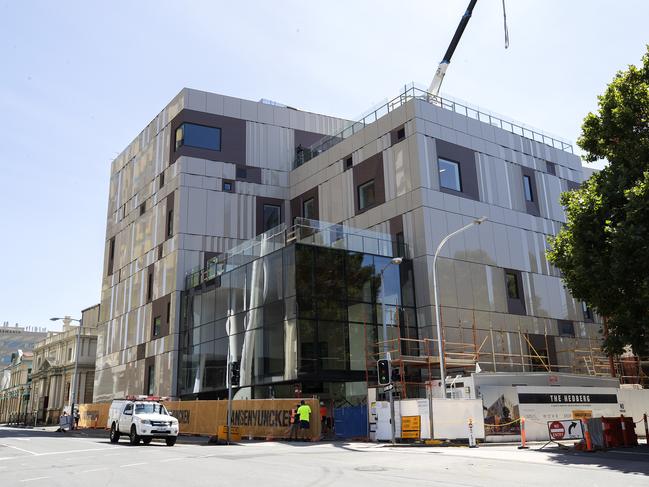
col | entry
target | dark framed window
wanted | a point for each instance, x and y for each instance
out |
(242, 172)
(527, 188)
(348, 163)
(162, 179)
(150, 379)
(198, 136)
(401, 133)
(149, 287)
(272, 216)
(143, 208)
(566, 328)
(449, 175)
(513, 291)
(588, 313)
(157, 326)
(366, 195)
(111, 255)
(168, 311)
(308, 208)
(228, 186)
(170, 223)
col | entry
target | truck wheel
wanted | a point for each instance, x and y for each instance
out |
(146, 441)
(133, 437)
(114, 434)
(171, 441)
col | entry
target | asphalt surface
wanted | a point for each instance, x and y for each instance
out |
(46, 458)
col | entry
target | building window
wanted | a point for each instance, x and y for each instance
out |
(170, 223)
(228, 186)
(111, 255)
(401, 244)
(527, 187)
(588, 313)
(308, 209)
(162, 179)
(272, 216)
(157, 326)
(349, 163)
(69, 354)
(242, 172)
(168, 311)
(159, 251)
(401, 133)
(198, 136)
(150, 380)
(149, 287)
(566, 328)
(513, 292)
(366, 195)
(143, 208)
(449, 175)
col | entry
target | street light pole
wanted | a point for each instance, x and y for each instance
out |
(386, 352)
(73, 396)
(442, 366)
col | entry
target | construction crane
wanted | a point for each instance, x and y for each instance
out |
(446, 60)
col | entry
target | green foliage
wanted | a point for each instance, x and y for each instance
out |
(603, 250)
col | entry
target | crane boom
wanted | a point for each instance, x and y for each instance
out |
(441, 69)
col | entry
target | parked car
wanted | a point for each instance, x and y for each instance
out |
(141, 419)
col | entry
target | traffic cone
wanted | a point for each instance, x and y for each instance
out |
(523, 445)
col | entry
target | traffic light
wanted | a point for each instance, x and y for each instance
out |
(383, 369)
(234, 374)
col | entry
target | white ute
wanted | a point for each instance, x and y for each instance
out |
(141, 420)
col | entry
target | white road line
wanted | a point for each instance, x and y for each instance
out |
(20, 449)
(173, 459)
(35, 478)
(133, 464)
(94, 470)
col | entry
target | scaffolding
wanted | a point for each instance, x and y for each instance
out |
(491, 349)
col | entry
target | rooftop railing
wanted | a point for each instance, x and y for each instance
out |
(305, 231)
(307, 153)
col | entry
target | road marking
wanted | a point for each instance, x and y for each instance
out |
(20, 449)
(133, 464)
(35, 478)
(94, 470)
(173, 459)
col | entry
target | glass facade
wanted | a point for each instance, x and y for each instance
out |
(200, 136)
(449, 175)
(303, 316)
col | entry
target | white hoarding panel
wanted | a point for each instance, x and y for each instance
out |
(451, 418)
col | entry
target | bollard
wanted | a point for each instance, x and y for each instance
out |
(646, 428)
(523, 439)
(472, 442)
(589, 441)
(625, 442)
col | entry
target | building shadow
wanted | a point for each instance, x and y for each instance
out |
(626, 460)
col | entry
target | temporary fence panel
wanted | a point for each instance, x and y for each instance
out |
(451, 418)
(403, 408)
(635, 402)
(93, 415)
(351, 422)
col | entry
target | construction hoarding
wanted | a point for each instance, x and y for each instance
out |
(257, 418)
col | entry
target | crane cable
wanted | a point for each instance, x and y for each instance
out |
(505, 24)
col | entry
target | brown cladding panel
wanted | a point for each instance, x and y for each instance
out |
(468, 173)
(298, 202)
(259, 207)
(367, 170)
(233, 137)
(159, 308)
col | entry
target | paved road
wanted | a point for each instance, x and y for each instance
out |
(40, 458)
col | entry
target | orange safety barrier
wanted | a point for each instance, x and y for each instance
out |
(587, 438)
(523, 436)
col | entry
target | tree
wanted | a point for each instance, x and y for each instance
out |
(603, 250)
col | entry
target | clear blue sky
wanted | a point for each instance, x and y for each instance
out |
(79, 80)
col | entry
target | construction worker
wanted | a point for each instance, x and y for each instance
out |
(304, 411)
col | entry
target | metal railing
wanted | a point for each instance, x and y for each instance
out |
(305, 154)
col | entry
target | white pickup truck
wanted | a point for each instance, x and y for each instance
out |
(141, 420)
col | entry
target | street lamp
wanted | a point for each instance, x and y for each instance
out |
(73, 396)
(442, 367)
(386, 352)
